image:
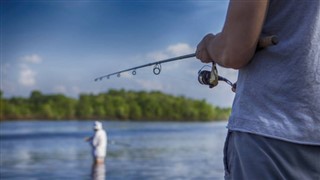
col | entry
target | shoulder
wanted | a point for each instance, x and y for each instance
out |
(102, 132)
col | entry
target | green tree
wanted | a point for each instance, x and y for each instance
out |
(84, 107)
(114, 104)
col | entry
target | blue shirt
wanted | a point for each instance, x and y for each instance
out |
(278, 92)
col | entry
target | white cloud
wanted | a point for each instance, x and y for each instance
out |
(27, 77)
(75, 90)
(127, 75)
(179, 49)
(33, 58)
(158, 55)
(60, 89)
(72, 91)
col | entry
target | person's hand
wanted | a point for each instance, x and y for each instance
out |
(86, 139)
(202, 52)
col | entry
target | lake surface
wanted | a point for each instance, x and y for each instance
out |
(136, 150)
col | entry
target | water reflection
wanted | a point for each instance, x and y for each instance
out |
(140, 151)
(98, 171)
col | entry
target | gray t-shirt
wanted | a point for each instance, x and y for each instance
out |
(278, 92)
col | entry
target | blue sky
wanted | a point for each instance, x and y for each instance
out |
(62, 46)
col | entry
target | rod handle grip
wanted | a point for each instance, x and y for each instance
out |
(267, 41)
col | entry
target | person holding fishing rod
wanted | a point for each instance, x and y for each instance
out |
(274, 127)
(98, 143)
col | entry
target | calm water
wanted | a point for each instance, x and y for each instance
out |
(136, 150)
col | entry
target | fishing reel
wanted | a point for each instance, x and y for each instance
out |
(211, 78)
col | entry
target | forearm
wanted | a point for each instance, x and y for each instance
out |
(87, 139)
(236, 44)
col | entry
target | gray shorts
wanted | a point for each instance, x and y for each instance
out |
(251, 157)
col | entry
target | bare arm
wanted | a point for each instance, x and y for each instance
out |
(235, 45)
(87, 139)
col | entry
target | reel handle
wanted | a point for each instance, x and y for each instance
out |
(264, 42)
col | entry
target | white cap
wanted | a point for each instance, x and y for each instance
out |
(97, 125)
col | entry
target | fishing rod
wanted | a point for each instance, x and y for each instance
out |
(210, 78)
(156, 69)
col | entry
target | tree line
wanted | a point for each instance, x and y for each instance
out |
(113, 104)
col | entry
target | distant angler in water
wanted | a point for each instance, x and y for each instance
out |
(98, 143)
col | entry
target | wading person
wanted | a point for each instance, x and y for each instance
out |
(274, 127)
(98, 143)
